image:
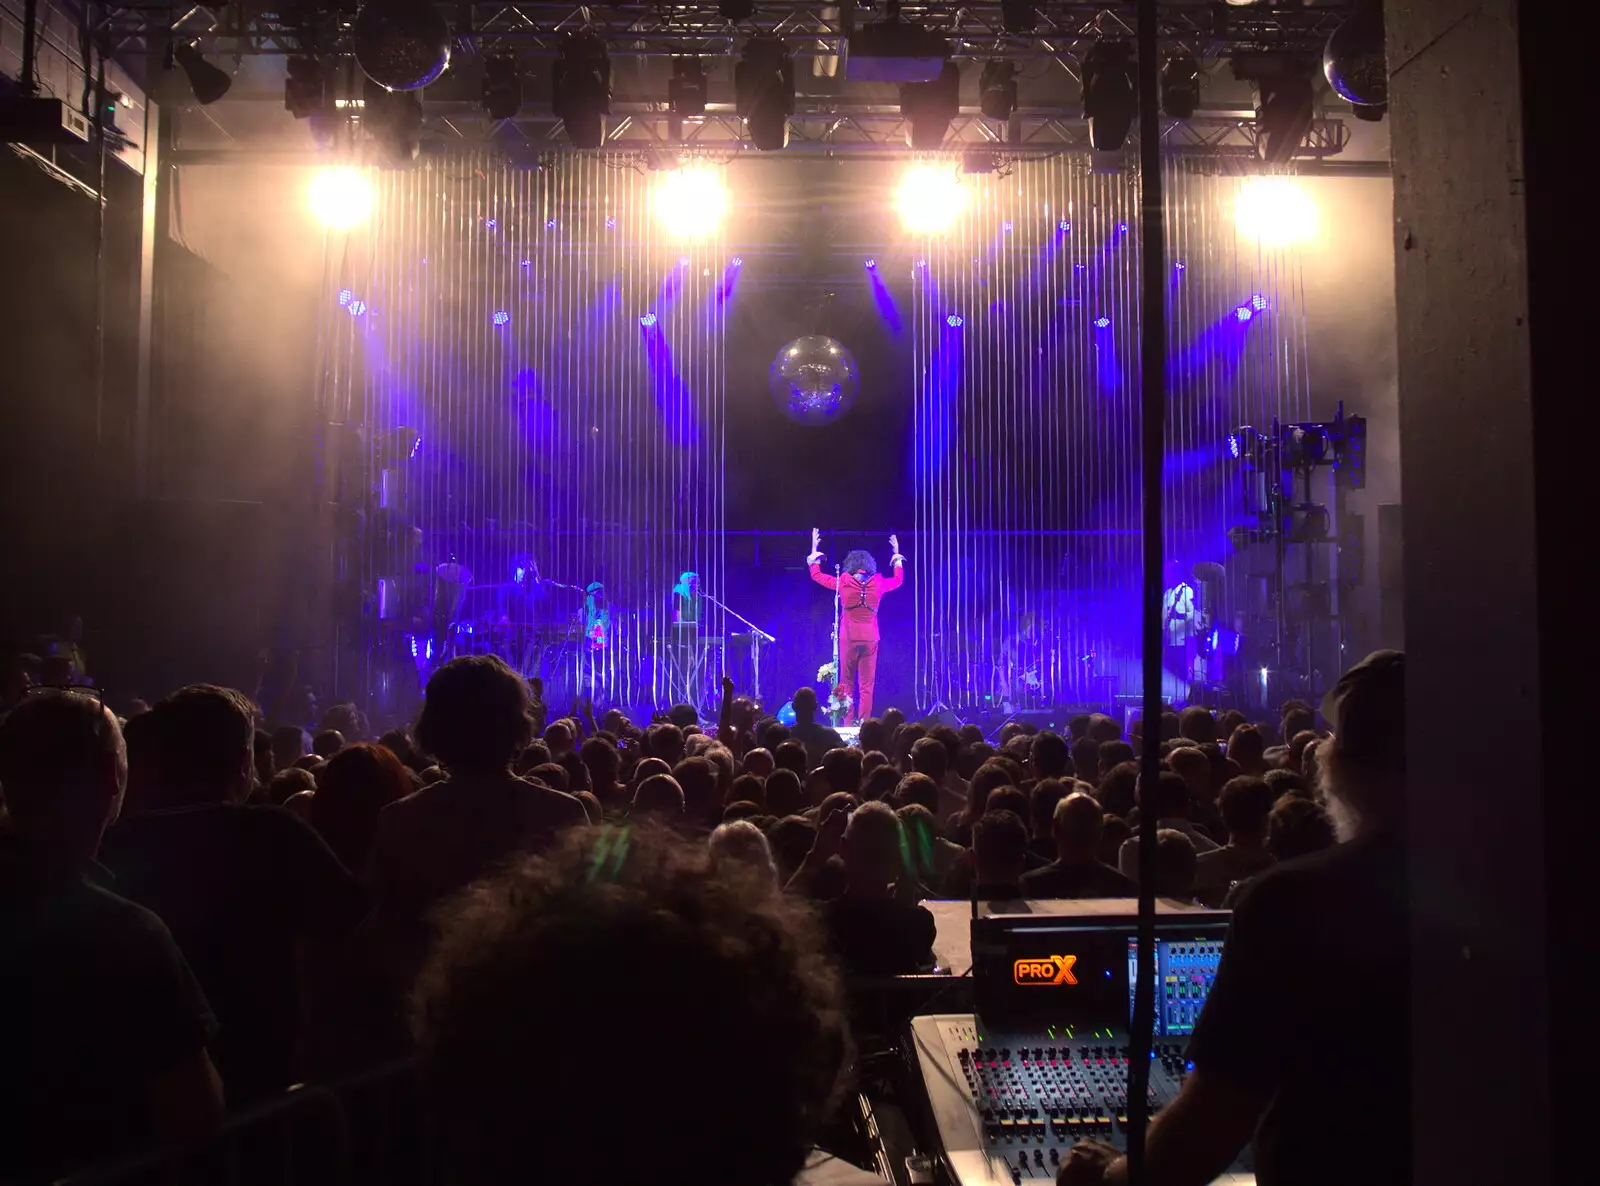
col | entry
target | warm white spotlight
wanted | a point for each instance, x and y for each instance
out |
(691, 201)
(341, 197)
(1275, 211)
(930, 198)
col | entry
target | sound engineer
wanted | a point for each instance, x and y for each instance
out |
(1304, 1040)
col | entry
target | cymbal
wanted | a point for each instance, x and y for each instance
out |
(1209, 570)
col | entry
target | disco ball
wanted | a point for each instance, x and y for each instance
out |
(813, 380)
(1354, 61)
(402, 45)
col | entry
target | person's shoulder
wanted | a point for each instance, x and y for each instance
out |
(557, 803)
(119, 922)
(1298, 884)
(1045, 875)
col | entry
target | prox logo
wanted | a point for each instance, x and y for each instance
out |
(1050, 969)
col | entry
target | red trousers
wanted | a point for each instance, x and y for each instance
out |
(858, 662)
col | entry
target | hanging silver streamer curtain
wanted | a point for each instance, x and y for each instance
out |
(1026, 446)
(535, 378)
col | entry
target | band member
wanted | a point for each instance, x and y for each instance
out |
(686, 652)
(1179, 627)
(860, 590)
(596, 617)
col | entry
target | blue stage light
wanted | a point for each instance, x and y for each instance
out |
(1258, 303)
(549, 224)
(738, 261)
(1122, 228)
(647, 320)
(356, 308)
(490, 224)
(872, 263)
(954, 321)
(1006, 227)
(1180, 266)
(922, 263)
(611, 224)
(1064, 226)
(500, 317)
(345, 297)
(1102, 323)
(1080, 267)
(1244, 313)
(1235, 445)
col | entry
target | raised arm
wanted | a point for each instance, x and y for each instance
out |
(897, 564)
(814, 563)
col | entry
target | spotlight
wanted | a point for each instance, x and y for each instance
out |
(345, 297)
(1274, 211)
(930, 106)
(979, 160)
(1108, 94)
(1180, 85)
(647, 320)
(549, 224)
(341, 197)
(394, 119)
(1350, 468)
(580, 88)
(502, 88)
(1235, 445)
(1064, 226)
(1258, 303)
(357, 308)
(1305, 445)
(209, 81)
(954, 321)
(763, 91)
(1102, 323)
(929, 199)
(490, 224)
(871, 264)
(1308, 524)
(1018, 17)
(738, 261)
(611, 224)
(686, 89)
(691, 200)
(997, 89)
(501, 317)
(1180, 266)
(304, 88)
(1244, 313)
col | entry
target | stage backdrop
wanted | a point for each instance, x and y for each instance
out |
(584, 390)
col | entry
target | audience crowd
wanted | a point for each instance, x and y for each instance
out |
(198, 909)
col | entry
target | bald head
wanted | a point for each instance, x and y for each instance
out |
(1078, 823)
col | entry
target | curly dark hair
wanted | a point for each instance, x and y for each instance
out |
(860, 561)
(476, 715)
(618, 976)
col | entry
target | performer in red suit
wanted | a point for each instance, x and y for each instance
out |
(860, 589)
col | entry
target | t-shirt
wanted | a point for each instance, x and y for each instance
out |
(879, 936)
(1086, 879)
(818, 740)
(1310, 1006)
(97, 1002)
(238, 886)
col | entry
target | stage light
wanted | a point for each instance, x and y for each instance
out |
(345, 297)
(1283, 116)
(763, 92)
(580, 88)
(738, 261)
(871, 263)
(304, 91)
(979, 161)
(208, 80)
(341, 197)
(501, 317)
(647, 320)
(683, 261)
(611, 224)
(527, 263)
(550, 224)
(686, 92)
(1180, 84)
(1108, 95)
(954, 321)
(997, 89)
(502, 87)
(691, 201)
(1122, 228)
(1244, 313)
(1305, 445)
(1005, 228)
(1102, 323)
(929, 199)
(1064, 227)
(394, 121)
(490, 224)
(1258, 303)
(928, 108)
(1235, 445)
(1275, 211)
(1180, 266)
(356, 308)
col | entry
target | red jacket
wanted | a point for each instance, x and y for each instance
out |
(858, 603)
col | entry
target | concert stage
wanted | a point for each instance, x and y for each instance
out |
(543, 388)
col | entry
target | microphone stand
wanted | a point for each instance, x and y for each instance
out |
(759, 634)
(838, 672)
